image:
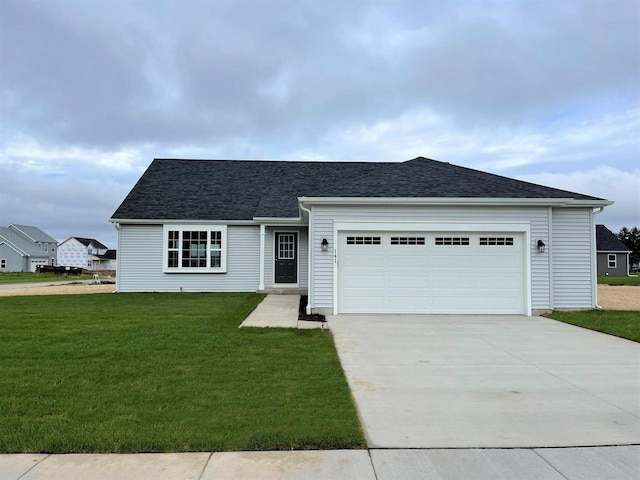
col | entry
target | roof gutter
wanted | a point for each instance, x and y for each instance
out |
(559, 202)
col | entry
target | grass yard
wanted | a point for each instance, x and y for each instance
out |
(28, 277)
(604, 280)
(165, 373)
(621, 323)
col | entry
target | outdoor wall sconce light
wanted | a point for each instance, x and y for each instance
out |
(541, 246)
(325, 245)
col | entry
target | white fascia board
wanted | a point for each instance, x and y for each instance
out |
(184, 221)
(275, 221)
(613, 251)
(19, 251)
(23, 233)
(560, 202)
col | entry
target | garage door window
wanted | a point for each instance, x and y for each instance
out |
(498, 241)
(363, 241)
(452, 241)
(407, 241)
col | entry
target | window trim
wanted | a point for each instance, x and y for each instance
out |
(182, 227)
(496, 241)
(452, 241)
(610, 260)
(361, 240)
(408, 240)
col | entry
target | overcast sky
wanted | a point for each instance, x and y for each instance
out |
(92, 91)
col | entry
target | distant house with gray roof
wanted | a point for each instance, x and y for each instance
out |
(420, 236)
(86, 253)
(613, 255)
(24, 247)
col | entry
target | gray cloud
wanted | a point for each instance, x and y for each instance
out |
(91, 91)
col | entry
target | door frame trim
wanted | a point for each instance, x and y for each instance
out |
(273, 258)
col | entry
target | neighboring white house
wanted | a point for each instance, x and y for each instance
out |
(23, 248)
(86, 253)
(420, 236)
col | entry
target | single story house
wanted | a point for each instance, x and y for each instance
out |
(613, 255)
(420, 236)
(24, 247)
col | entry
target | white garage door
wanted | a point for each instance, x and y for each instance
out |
(427, 272)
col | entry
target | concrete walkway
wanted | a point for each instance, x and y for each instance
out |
(279, 311)
(611, 463)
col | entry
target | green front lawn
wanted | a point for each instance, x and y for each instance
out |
(165, 372)
(621, 323)
(604, 280)
(27, 277)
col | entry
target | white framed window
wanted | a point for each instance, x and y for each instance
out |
(46, 248)
(363, 241)
(194, 248)
(407, 240)
(499, 241)
(457, 241)
(3, 264)
(612, 260)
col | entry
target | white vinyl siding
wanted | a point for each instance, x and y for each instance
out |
(572, 258)
(141, 262)
(325, 216)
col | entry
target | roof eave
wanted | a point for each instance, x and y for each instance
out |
(15, 248)
(564, 202)
(162, 221)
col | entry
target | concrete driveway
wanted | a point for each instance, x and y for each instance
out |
(488, 381)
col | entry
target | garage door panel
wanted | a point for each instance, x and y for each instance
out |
(412, 262)
(406, 281)
(431, 277)
(362, 282)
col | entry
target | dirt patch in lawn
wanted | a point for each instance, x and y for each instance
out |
(57, 290)
(619, 297)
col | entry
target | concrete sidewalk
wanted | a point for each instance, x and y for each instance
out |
(279, 311)
(611, 463)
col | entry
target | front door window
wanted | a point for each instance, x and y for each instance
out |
(286, 261)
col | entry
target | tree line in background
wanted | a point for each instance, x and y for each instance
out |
(631, 238)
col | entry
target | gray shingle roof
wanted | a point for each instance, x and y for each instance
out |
(244, 189)
(87, 241)
(16, 239)
(35, 233)
(606, 241)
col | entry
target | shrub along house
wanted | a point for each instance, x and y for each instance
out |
(421, 236)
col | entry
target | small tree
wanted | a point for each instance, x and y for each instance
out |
(631, 238)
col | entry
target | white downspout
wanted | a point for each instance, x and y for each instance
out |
(310, 259)
(118, 255)
(263, 230)
(594, 256)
